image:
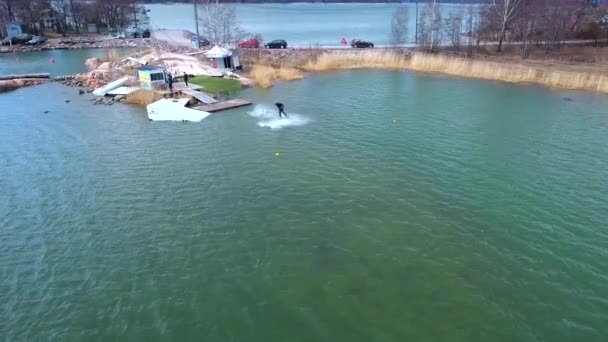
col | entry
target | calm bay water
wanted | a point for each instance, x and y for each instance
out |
(304, 24)
(404, 207)
(66, 62)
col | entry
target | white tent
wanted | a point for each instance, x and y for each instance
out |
(218, 52)
(223, 59)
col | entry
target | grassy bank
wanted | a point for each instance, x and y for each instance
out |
(581, 76)
(216, 85)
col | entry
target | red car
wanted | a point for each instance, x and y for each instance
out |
(251, 44)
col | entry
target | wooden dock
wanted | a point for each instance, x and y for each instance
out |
(222, 105)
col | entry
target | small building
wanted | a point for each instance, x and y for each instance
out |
(151, 77)
(12, 29)
(223, 59)
(92, 28)
(48, 21)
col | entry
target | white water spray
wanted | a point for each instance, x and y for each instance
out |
(269, 117)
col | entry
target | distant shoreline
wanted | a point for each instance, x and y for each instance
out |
(253, 2)
(79, 42)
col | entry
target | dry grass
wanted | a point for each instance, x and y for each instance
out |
(550, 73)
(265, 76)
(511, 72)
(368, 59)
(143, 97)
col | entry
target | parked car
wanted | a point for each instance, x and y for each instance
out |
(6, 41)
(277, 44)
(251, 44)
(203, 41)
(138, 33)
(18, 39)
(37, 40)
(357, 43)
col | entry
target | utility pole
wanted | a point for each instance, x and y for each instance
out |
(196, 23)
(73, 13)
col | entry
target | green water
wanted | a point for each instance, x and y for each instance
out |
(479, 215)
(65, 62)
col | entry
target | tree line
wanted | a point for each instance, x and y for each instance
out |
(70, 14)
(522, 24)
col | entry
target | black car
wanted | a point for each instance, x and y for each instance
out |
(276, 44)
(139, 33)
(356, 43)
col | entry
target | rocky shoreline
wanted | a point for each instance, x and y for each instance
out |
(80, 43)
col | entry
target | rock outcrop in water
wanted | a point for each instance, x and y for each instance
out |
(11, 82)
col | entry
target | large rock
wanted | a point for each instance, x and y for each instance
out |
(104, 66)
(6, 85)
(92, 63)
(100, 77)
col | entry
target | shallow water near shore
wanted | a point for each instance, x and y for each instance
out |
(408, 207)
(65, 62)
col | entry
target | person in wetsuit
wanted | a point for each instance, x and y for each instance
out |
(281, 108)
(170, 82)
(186, 79)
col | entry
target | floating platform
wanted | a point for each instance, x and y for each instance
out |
(174, 110)
(222, 105)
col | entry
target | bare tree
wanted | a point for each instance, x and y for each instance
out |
(7, 7)
(115, 13)
(399, 26)
(429, 26)
(525, 29)
(258, 37)
(472, 22)
(559, 19)
(63, 12)
(506, 10)
(74, 16)
(453, 27)
(220, 23)
(435, 25)
(424, 37)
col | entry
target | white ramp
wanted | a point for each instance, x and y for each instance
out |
(103, 91)
(174, 110)
(204, 98)
(123, 91)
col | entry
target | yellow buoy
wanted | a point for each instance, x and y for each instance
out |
(277, 154)
(394, 120)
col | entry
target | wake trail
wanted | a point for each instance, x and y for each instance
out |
(268, 117)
